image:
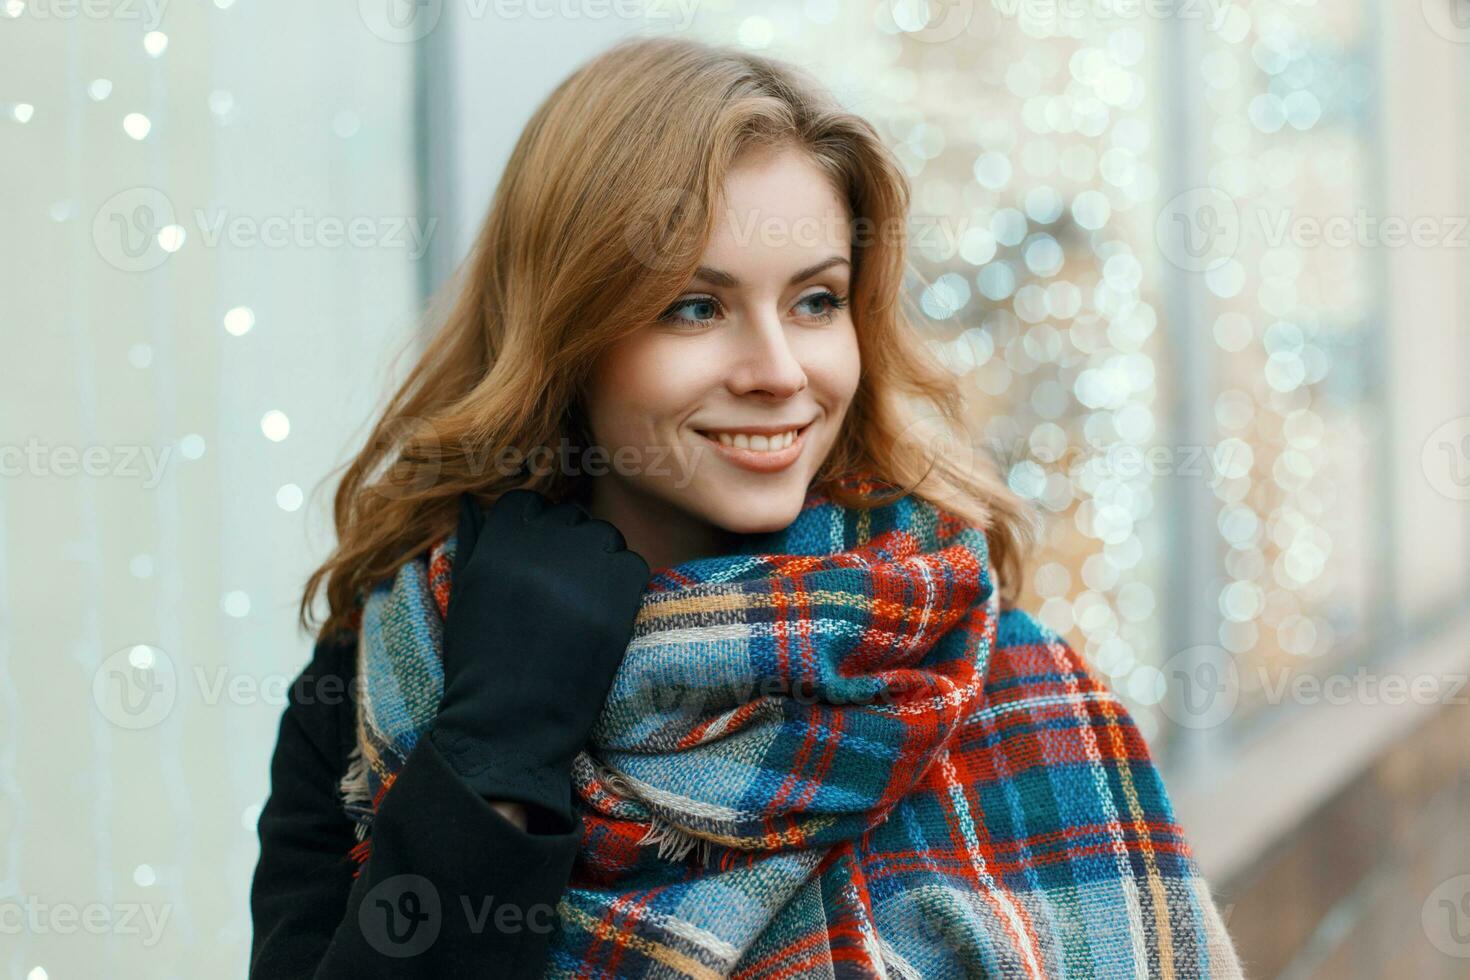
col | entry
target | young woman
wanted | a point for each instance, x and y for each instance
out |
(669, 647)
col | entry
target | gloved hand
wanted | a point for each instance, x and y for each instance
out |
(541, 609)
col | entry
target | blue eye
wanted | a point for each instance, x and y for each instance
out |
(822, 306)
(708, 305)
(827, 298)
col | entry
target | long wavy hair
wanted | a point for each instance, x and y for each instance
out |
(597, 225)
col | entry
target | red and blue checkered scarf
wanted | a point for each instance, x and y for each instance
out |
(830, 753)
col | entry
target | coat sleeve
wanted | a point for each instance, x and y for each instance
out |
(451, 887)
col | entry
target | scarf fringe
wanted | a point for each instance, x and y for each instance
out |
(674, 842)
(355, 793)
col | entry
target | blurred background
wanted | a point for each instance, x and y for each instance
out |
(1201, 264)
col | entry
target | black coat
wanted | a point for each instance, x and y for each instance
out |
(452, 888)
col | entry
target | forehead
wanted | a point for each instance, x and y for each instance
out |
(779, 209)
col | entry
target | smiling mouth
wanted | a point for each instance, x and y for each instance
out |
(755, 442)
(758, 452)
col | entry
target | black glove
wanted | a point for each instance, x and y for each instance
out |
(541, 609)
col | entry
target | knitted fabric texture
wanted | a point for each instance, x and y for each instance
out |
(829, 753)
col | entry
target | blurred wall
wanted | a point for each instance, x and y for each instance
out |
(208, 261)
(1358, 858)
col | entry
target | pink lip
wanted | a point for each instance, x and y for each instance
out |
(761, 462)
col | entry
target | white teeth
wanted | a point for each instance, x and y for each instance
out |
(759, 444)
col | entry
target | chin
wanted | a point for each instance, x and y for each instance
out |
(746, 511)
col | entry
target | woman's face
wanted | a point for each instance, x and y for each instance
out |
(759, 346)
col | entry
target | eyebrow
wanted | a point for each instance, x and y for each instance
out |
(717, 277)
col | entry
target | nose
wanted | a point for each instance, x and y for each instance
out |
(765, 363)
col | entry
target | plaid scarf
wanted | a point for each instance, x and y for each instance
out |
(829, 753)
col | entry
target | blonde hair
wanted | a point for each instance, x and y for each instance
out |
(597, 225)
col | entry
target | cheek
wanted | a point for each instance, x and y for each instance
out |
(641, 387)
(834, 365)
